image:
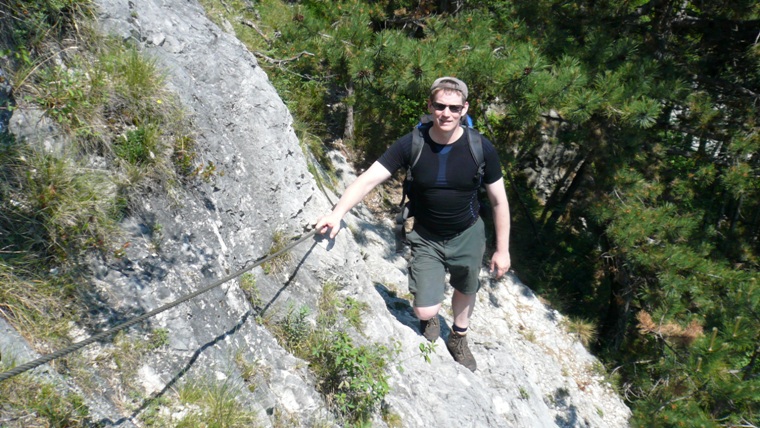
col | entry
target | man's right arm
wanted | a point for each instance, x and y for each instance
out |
(354, 194)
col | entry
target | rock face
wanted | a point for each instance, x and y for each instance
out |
(531, 372)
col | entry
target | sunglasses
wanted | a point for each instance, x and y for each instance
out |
(452, 108)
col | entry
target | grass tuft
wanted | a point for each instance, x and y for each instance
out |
(139, 146)
(279, 263)
(215, 405)
(28, 402)
(583, 329)
(251, 290)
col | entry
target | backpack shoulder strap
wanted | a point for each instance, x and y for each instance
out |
(476, 149)
(418, 140)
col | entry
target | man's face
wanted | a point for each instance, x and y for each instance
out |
(442, 106)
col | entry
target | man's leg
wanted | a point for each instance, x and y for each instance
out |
(462, 305)
(427, 282)
(465, 262)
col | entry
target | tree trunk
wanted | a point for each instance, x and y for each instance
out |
(736, 213)
(553, 203)
(444, 6)
(348, 130)
(568, 195)
(615, 323)
(755, 234)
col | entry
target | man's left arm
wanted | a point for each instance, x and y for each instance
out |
(501, 261)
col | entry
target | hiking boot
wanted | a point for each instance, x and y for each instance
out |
(432, 329)
(457, 346)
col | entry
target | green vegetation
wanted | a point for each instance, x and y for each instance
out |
(200, 402)
(217, 403)
(110, 103)
(523, 393)
(251, 290)
(127, 352)
(351, 377)
(277, 263)
(248, 370)
(393, 420)
(27, 402)
(56, 208)
(426, 350)
(331, 306)
(584, 330)
(119, 133)
(26, 299)
(53, 208)
(138, 146)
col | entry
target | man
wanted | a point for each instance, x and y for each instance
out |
(448, 234)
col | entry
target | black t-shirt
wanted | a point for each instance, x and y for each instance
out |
(445, 190)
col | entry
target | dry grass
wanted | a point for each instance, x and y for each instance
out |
(584, 330)
(280, 262)
(33, 306)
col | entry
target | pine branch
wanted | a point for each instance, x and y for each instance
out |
(680, 126)
(722, 26)
(751, 366)
(572, 175)
(685, 397)
(253, 25)
(645, 9)
(403, 22)
(281, 61)
(744, 424)
(727, 87)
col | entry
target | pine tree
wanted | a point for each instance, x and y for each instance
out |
(670, 142)
(653, 226)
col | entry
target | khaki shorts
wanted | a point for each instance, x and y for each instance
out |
(432, 257)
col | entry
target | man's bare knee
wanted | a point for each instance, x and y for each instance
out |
(426, 312)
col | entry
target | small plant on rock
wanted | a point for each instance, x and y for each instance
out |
(36, 403)
(277, 264)
(214, 404)
(251, 290)
(352, 377)
(584, 330)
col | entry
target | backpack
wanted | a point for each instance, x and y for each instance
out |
(418, 141)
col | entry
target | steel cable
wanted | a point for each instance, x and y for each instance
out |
(100, 336)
